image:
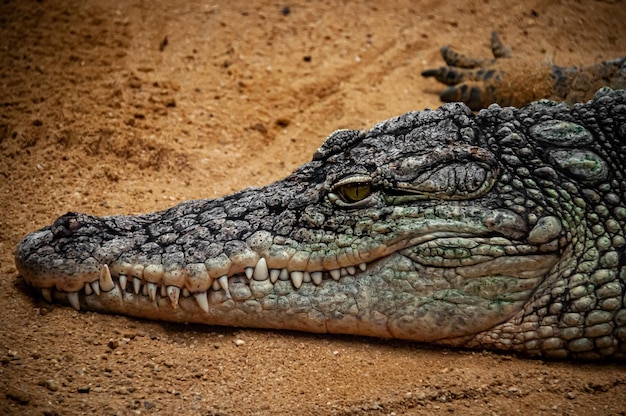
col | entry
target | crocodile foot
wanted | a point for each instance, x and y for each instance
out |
(514, 81)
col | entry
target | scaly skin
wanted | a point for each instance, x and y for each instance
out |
(501, 230)
(511, 81)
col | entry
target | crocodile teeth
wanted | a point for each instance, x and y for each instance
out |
(317, 277)
(296, 279)
(106, 283)
(223, 282)
(152, 288)
(73, 298)
(96, 287)
(203, 302)
(260, 270)
(123, 280)
(284, 274)
(173, 293)
(249, 271)
(136, 285)
(46, 292)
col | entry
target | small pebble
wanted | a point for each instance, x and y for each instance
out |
(240, 342)
(52, 385)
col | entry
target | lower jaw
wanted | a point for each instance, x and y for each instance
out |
(288, 310)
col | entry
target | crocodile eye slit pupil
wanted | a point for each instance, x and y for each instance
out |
(355, 192)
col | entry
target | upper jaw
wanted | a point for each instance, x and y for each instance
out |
(92, 268)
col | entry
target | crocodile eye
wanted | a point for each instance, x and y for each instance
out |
(354, 191)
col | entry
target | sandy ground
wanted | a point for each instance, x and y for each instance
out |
(131, 106)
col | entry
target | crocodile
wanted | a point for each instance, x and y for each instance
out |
(502, 229)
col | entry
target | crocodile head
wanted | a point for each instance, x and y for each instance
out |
(437, 226)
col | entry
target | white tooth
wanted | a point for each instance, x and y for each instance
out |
(306, 277)
(343, 271)
(284, 274)
(202, 300)
(260, 270)
(88, 290)
(335, 274)
(216, 285)
(351, 270)
(163, 291)
(152, 288)
(46, 292)
(106, 283)
(223, 281)
(186, 293)
(317, 277)
(173, 293)
(96, 287)
(123, 279)
(144, 290)
(363, 266)
(274, 273)
(249, 271)
(136, 285)
(296, 279)
(73, 298)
